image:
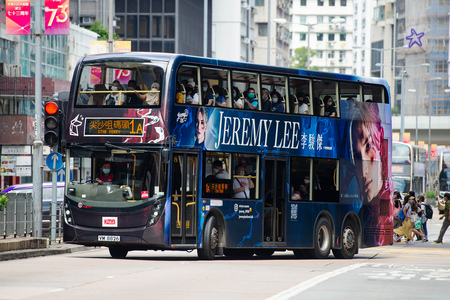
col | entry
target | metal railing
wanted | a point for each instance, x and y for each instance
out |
(17, 218)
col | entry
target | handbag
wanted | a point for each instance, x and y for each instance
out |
(401, 215)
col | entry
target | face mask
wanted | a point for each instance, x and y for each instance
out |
(217, 95)
(205, 88)
(234, 95)
(306, 181)
(251, 95)
(329, 103)
(153, 89)
(274, 100)
(114, 88)
(106, 171)
(130, 88)
(242, 173)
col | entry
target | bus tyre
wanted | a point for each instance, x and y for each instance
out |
(349, 242)
(322, 239)
(210, 240)
(264, 252)
(118, 251)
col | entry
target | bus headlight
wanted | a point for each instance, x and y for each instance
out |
(155, 213)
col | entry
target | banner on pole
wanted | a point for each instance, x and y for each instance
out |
(18, 17)
(57, 17)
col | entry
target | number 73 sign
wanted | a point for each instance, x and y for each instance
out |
(56, 17)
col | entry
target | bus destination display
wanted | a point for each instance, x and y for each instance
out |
(114, 127)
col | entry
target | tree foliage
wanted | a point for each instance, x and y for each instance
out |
(103, 33)
(301, 56)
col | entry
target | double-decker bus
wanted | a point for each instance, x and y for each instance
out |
(202, 161)
(444, 178)
(408, 168)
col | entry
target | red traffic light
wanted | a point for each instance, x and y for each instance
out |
(51, 108)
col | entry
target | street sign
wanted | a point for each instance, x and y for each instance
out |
(61, 175)
(54, 161)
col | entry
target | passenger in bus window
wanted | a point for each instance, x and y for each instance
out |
(250, 102)
(105, 177)
(220, 96)
(132, 99)
(302, 105)
(237, 101)
(242, 185)
(179, 95)
(98, 98)
(151, 98)
(278, 106)
(192, 92)
(218, 170)
(201, 126)
(266, 105)
(208, 97)
(330, 110)
(115, 98)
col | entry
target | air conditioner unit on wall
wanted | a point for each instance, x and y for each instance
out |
(15, 70)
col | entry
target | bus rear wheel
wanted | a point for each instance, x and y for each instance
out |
(349, 242)
(210, 240)
(118, 251)
(322, 239)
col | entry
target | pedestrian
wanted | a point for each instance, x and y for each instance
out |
(424, 218)
(405, 229)
(397, 208)
(446, 218)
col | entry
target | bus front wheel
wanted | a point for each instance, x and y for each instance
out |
(210, 240)
(349, 242)
(118, 251)
(322, 239)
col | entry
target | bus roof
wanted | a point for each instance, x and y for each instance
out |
(180, 58)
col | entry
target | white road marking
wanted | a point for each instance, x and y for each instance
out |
(301, 287)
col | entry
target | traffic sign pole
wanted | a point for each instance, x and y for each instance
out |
(53, 210)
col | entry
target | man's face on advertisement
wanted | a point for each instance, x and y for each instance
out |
(367, 155)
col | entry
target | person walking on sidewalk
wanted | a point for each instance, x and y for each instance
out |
(446, 218)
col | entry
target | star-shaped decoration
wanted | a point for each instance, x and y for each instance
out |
(414, 38)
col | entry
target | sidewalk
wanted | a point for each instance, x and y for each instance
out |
(25, 247)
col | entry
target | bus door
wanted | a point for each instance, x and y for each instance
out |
(275, 200)
(184, 198)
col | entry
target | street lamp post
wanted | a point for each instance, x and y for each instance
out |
(402, 108)
(417, 112)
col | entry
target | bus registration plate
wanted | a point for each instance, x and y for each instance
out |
(109, 238)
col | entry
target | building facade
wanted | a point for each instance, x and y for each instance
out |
(326, 27)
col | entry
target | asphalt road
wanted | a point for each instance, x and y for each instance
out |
(419, 271)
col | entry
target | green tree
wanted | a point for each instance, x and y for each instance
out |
(103, 33)
(301, 56)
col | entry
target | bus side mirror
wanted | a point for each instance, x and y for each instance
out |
(165, 153)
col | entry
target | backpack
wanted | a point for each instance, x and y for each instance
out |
(428, 211)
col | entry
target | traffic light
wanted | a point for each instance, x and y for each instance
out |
(52, 122)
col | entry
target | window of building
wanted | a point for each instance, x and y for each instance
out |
(156, 26)
(302, 36)
(132, 26)
(157, 6)
(169, 27)
(131, 6)
(319, 19)
(302, 19)
(144, 5)
(259, 2)
(343, 2)
(331, 54)
(169, 6)
(320, 2)
(319, 53)
(331, 2)
(303, 2)
(341, 55)
(144, 27)
(342, 36)
(262, 29)
(331, 36)
(320, 36)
